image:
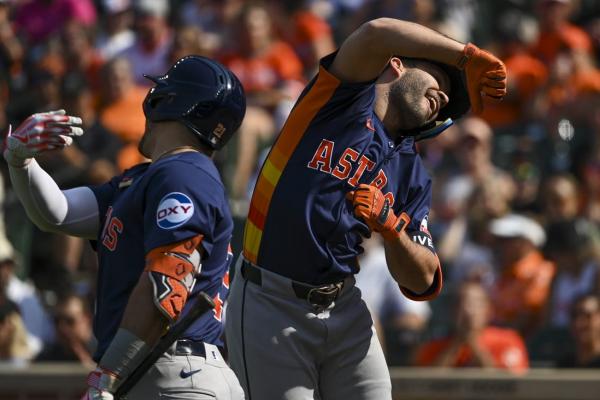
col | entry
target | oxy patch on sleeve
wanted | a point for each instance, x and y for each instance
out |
(174, 210)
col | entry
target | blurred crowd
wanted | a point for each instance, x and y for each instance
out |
(516, 209)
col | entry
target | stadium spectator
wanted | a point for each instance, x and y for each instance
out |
(573, 249)
(12, 51)
(527, 75)
(522, 289)
(79, 53)
(189, 39)
(121, 112)
(14, 346)
(560, 198)
(557, 32)
(95, 154)
(47, 89)
(117, 35)
(213, 18)
(308, 33)
(38, 327)
(150, 51)
(585, 327)
(473, 342)
(266, 66)
(477, 192)
(39, 19)
(72, 321)
(270, 72)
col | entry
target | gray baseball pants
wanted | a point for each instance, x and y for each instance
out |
(280, 347)
(189, 377)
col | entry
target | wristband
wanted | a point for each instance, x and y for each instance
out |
(465, 55)
(126, 351)
(401, 224)
(15, 161)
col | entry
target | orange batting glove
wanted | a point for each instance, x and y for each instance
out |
(484, 72)
(371, 205)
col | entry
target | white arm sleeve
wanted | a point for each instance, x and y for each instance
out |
(72, 212)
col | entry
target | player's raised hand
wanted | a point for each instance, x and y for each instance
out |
(39, 133)
(372, 207)
(485, 73)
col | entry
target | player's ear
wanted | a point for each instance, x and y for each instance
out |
(396, 66)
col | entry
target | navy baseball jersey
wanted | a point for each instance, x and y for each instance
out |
(152, 205)
(332, 142)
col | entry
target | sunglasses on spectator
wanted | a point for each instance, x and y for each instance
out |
(68, 319)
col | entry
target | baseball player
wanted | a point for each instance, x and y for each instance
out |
(161, 230)
(345, 166)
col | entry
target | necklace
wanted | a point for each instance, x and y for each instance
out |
(176, 150)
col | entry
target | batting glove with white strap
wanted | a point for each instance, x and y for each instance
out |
(102, 383)
(40, 133)
(371, 206)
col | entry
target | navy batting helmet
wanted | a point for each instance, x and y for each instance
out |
(203, 95)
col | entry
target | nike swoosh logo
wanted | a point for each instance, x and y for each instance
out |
(186, 374)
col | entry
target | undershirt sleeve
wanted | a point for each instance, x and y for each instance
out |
(72, 212)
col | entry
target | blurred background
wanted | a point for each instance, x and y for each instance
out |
(516, 207)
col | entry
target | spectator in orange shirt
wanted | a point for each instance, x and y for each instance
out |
(527, 75)
(522, 290)
(122, 111)
(556, 32)
(264, 64)
(474, 343)
(271, 74)
(79, 53)
(307, 32)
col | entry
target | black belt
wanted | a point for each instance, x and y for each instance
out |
(319, 297)
(185, 347)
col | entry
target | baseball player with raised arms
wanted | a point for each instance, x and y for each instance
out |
(161, 230)
(344, 166)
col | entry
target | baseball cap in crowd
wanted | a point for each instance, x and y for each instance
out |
(158, 8)
(518, 226)
(569, 235)
(116, 6)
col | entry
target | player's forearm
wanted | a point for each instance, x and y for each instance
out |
(140, 329)
(366, 52)
(141, 316)
(74, 212)
(394, 37)
(411, 265)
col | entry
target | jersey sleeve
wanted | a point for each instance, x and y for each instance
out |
(345, 100)
(104, 194)
(180, 201)
(418, 205)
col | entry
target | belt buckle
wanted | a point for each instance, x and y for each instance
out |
(328, 292)
(183, 347)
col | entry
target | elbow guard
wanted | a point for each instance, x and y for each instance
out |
(172, 269)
